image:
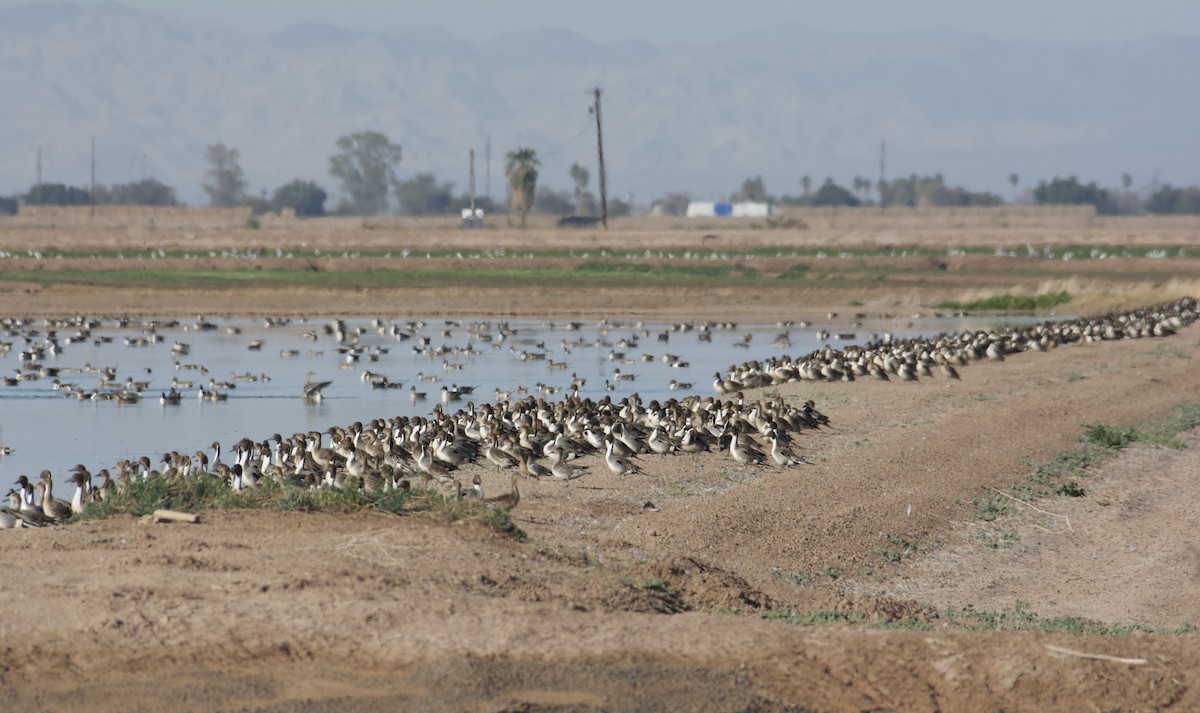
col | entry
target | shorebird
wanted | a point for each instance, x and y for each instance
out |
(312, 389)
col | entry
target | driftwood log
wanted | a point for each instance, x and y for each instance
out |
(175, 516)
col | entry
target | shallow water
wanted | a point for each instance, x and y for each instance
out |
(48, 431)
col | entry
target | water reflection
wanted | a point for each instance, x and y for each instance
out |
(261, 369)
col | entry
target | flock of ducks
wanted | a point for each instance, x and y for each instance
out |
(534, 439)
(353, 347)
(566, 439)
(912, 359)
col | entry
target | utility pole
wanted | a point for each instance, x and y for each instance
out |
(600, 150)
(487, 158)
(38, 182)
(471, 181)
(882, 169)
(92, 187)
(471, 218)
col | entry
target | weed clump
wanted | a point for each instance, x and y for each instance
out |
(139, 497)
(1010, 303)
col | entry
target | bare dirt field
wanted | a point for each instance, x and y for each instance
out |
(691, 605)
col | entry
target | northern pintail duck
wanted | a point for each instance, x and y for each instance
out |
(54, 508)
(312, 389)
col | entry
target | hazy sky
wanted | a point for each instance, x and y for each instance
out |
(1073, 21)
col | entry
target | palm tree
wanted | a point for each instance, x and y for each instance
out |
(1014, 179)
(806, 184)
(522, 172)
(580, 176)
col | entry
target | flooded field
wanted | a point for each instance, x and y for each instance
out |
(97, 397)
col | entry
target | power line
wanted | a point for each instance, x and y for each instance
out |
(573, 139)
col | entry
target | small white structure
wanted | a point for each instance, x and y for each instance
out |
(744, 209)
(747, 209)
(472, 218)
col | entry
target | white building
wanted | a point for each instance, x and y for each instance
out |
(744, 209)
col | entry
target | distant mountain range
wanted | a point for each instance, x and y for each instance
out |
(698, 118)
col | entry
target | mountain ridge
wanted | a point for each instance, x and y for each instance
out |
(691, 117)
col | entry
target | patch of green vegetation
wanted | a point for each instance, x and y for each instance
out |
(1183, 418)
(500, 520)
(1064, 473)
(906, 624)
(886, 555)
(1010, 303)
(293, 499)
(1109, 437)
(997, 540)
(1072, 378)
(798, 578)
(1050, 477)
(656, 585)
(143, 497)
(821, 617)
(897, 548)
(1020, 617)
(1174, 352)
(606, 267)
(988, 509)
(797, 271)
(1078, 252)
(1071, 489)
